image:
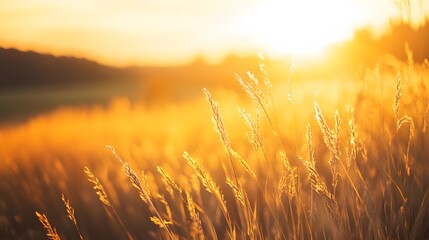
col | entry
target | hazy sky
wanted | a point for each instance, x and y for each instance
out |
(165, 32)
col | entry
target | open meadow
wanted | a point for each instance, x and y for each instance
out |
(283, 159)
(215, 120)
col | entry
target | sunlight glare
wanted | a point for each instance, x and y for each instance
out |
(301, 28)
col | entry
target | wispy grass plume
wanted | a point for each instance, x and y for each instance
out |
(254, 136)
(51, 232)
(289, 178)
(169, 181)
(238, 191)
(217, 119)
(99, 189)
(102, 196)
(243, 163)
(331, 139)
(143, 191)
(209, 185)
(316, 181)
(70, 214)
(196, 226)
(398, 95)
(402, 120)
(352, 148)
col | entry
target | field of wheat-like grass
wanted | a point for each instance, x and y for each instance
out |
(337, 159)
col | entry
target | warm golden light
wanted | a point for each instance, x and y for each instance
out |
(299, 28)
(174, 32)
(324, 135)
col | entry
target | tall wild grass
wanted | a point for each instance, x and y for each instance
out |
(304, 160)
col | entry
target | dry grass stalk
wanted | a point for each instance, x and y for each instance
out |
(144, 187)
(401, 121)
(144, 192)
(257, 96)
(167, 208)
(337, 130)
(102, 195)
(169, 181)
(99, 189)
(253, 91)
(404, 119)
(243, 163)
(196, 225)
(237, 190)
(335, 160)
(217, 119)
(312, 162)
(208, 183)
(317, 183)
(353, 138)
(309, 138)
(206, 180)
(254, 136)
(112, 149)
(69, 208)
(70, 214)
(425, 119)
(398, 96)
(51, 232)
(331, 139)
(220, 128)
(289, 178)
(160, 222)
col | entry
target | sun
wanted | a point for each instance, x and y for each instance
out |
(299, 28)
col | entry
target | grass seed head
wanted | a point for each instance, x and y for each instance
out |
(51, 232)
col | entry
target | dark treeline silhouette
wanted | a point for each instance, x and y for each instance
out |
(32, 83)
(21, 69)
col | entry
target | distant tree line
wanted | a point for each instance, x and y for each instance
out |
(19, 68)
(366, 48)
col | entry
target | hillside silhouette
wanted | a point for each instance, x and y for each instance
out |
(29, 68)
(32, 83)
(22, 69)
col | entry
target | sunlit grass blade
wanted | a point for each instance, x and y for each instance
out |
(51, 232)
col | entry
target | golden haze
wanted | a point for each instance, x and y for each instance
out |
(325, 149)
(171, 33)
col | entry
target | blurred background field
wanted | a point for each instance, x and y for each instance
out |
(59, 109)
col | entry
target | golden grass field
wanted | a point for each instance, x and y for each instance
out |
(308, 159)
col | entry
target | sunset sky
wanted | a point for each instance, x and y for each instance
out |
(165, 32)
